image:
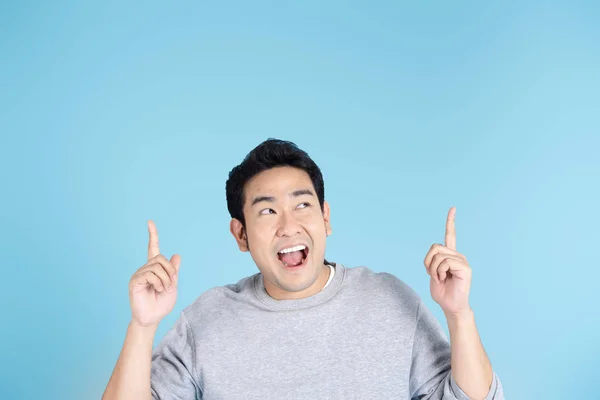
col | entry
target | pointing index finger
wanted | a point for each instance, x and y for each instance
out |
(451, 229)
(153, 249)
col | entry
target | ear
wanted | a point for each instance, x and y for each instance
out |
(239, 233)
(326, 217)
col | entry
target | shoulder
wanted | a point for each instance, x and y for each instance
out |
(383, 286)
(212, 302)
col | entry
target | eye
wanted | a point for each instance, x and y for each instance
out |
(303, 205)
(267, 211)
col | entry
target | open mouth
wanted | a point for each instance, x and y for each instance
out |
(293, 257)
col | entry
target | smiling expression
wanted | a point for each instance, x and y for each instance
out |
(285, 232)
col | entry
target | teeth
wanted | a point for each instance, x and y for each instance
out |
(295, 248)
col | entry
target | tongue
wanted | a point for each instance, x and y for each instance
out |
(293, 258)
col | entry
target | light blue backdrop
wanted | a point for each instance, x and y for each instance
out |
(112, 114)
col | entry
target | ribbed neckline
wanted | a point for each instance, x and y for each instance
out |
(297, 304)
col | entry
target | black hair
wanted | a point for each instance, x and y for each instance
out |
(269, 154)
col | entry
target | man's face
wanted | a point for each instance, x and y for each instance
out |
(282, 212)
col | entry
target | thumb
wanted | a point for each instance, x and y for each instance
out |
(176, 262)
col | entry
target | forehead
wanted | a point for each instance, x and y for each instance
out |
(278, 180)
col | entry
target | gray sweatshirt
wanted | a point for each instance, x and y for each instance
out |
(365, 335)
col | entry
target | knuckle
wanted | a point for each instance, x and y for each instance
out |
(135, 278)
(155, 267)
(164, 261)
(142, 269)
(148, 267)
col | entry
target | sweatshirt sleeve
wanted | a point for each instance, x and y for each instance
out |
(173, 364)
(430, 375)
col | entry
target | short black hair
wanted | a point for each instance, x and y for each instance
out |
(269, 154)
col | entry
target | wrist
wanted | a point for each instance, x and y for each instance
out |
(138, 330)
(462, 316)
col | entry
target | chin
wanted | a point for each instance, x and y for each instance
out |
(299, 286)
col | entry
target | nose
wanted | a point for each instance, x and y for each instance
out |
(288, 225)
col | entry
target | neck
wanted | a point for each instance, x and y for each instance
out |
(278, 294)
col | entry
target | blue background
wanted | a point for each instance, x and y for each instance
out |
(112, 114)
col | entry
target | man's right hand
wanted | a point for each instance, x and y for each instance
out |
(153, 287)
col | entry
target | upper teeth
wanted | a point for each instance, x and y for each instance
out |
(295, 248)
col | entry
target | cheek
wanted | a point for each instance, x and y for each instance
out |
(316, 229)
(261, 237)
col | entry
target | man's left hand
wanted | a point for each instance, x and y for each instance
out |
(450, 272)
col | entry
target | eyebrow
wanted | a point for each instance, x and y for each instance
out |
(271, 199)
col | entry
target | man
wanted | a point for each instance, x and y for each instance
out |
(303, 327)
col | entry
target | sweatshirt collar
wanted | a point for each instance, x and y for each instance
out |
(297, 304)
